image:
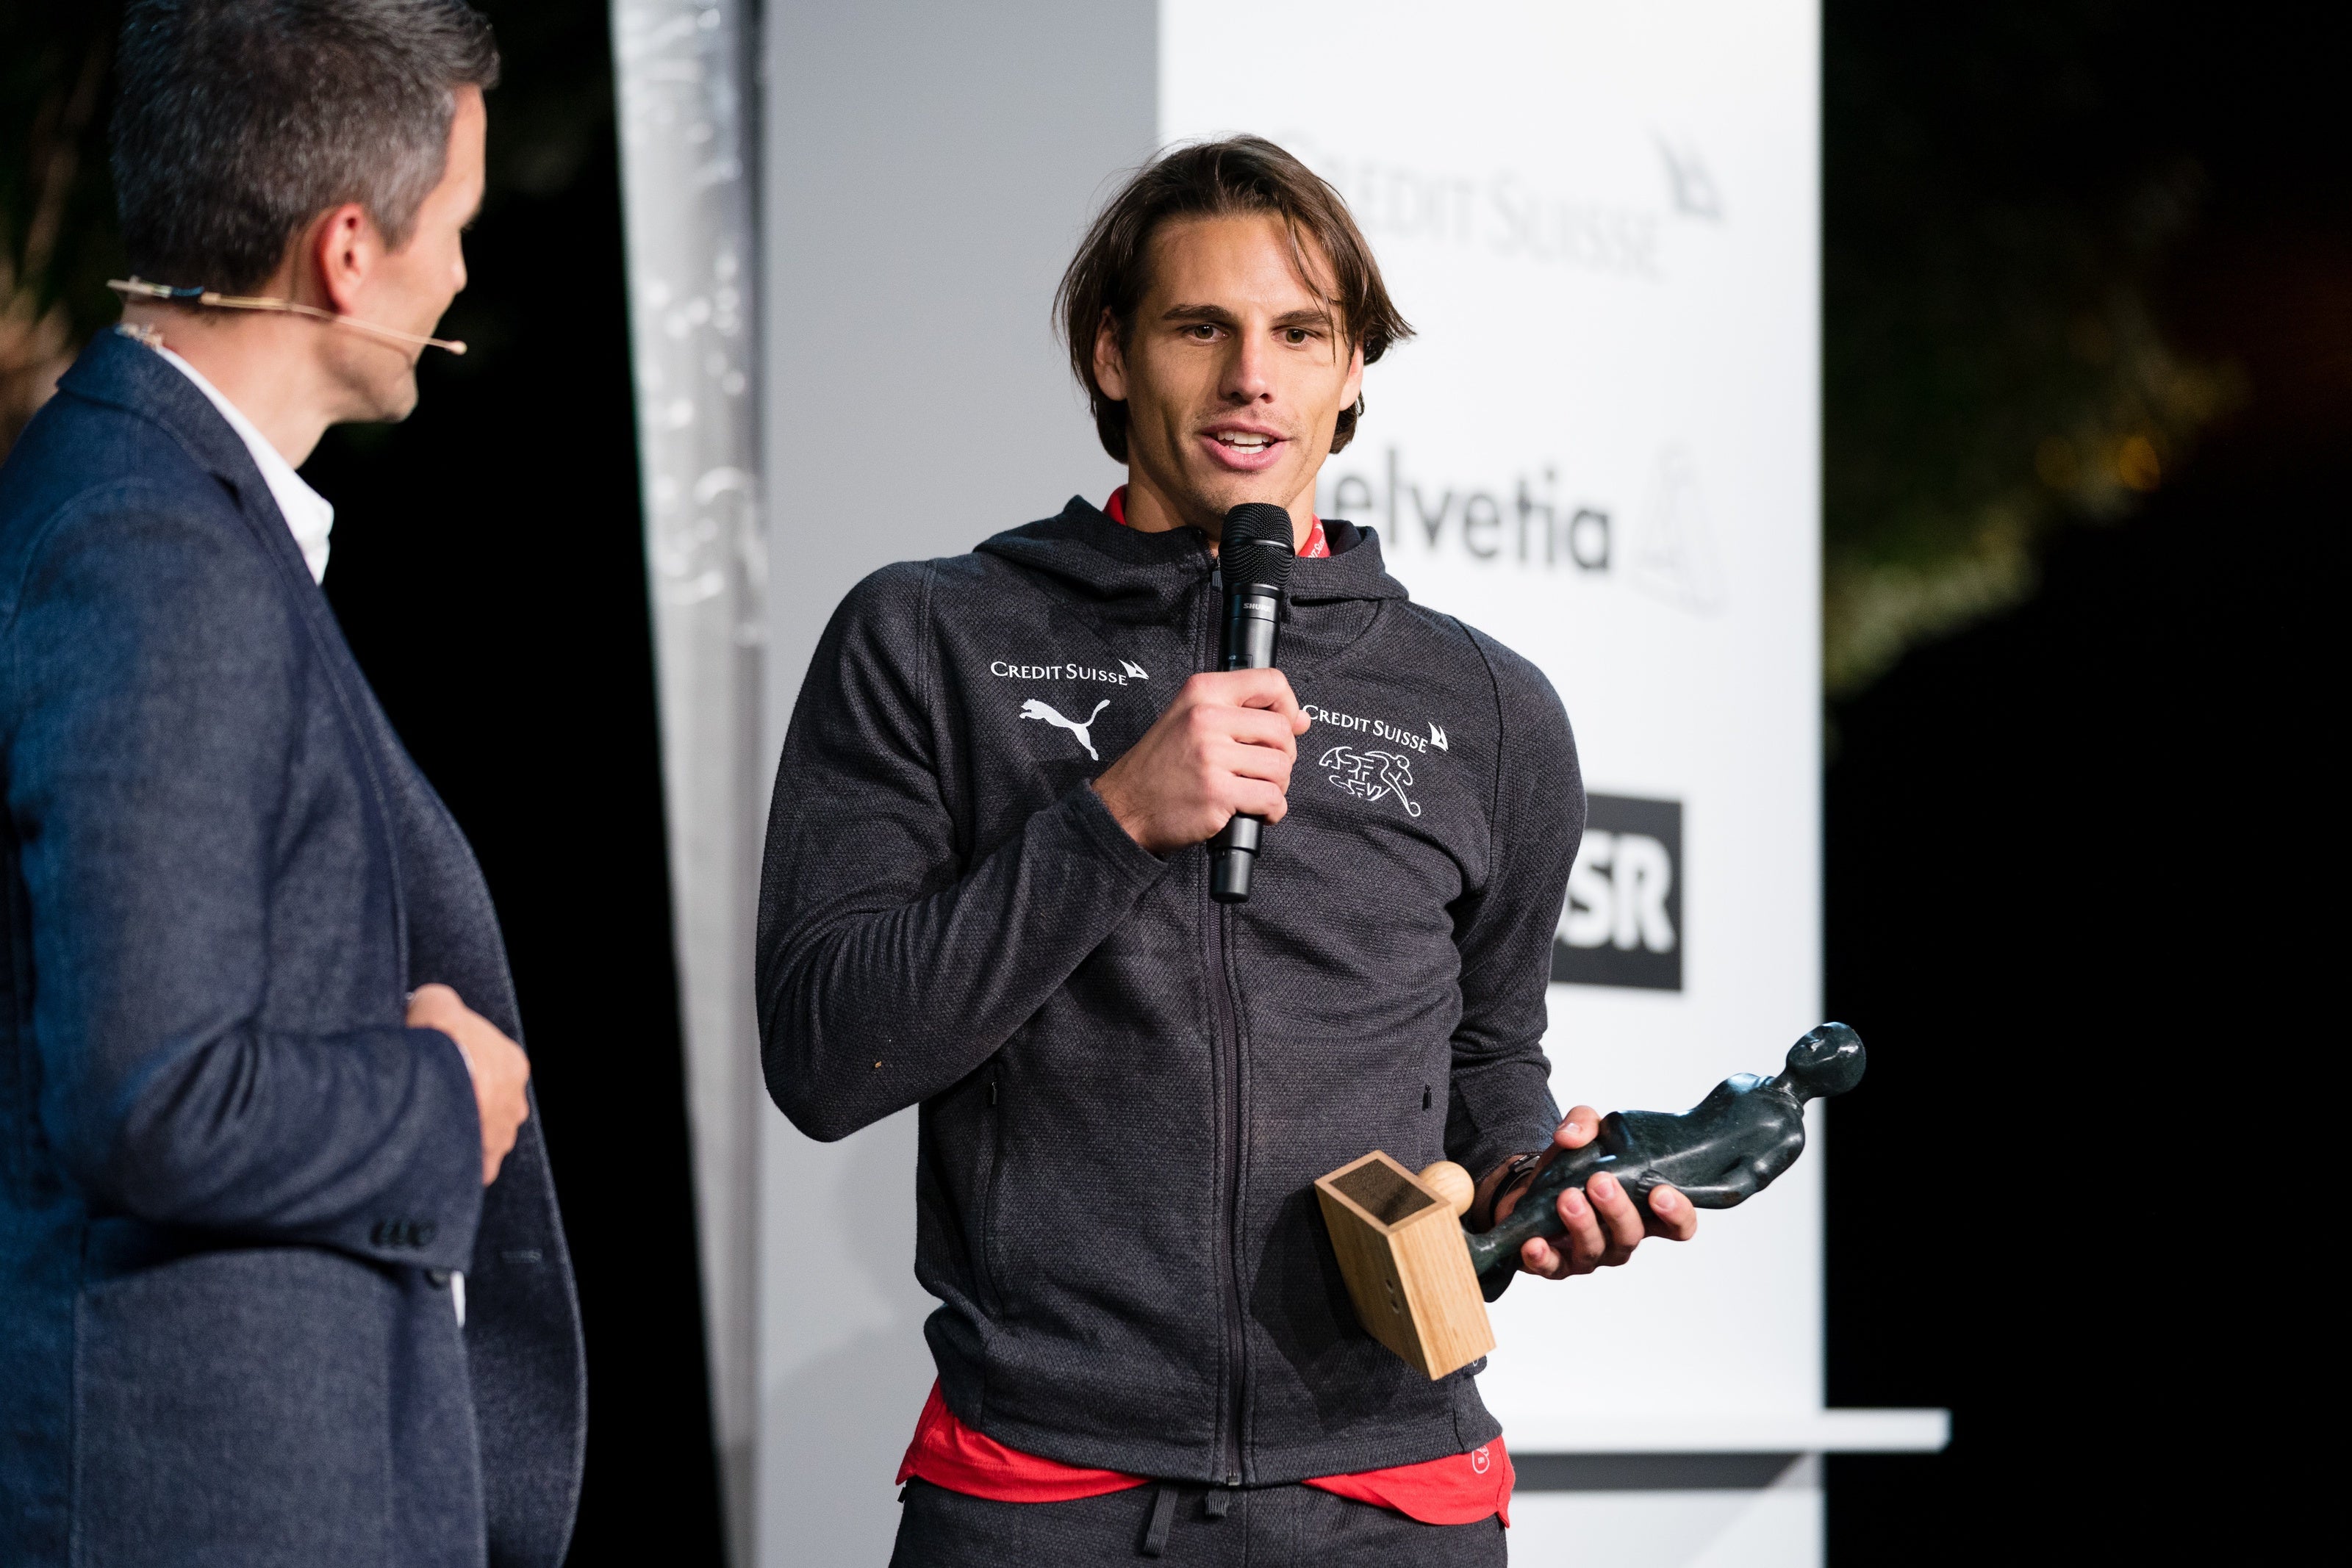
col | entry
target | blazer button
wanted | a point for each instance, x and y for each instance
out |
(437, 1277)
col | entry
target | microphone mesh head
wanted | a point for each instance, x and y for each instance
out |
(1255, 546)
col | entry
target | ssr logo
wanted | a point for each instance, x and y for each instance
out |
(1623, 922)
(1370, 775)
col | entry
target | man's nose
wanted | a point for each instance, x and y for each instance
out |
(1246, 377)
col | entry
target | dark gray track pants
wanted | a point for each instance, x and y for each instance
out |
(1270, 1527)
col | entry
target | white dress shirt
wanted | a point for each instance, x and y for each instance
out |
(309, 515)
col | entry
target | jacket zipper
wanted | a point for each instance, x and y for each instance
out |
(1230, 1120)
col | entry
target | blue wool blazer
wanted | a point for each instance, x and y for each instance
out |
(233, 1183)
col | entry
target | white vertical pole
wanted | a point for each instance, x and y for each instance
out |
(688, 198)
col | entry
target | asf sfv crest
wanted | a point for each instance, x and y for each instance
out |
(1370, 775)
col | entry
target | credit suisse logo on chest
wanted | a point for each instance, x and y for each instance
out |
(1375, 763)
(1081, 726)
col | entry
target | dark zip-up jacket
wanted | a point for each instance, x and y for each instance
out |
(1128, 1090)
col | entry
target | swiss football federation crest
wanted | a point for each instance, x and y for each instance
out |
(1370, 775)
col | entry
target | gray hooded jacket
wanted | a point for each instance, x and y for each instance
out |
(1126, 1088)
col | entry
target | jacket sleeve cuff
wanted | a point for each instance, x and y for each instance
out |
(430, 1220)
(1100, 832)
(1499, 1111)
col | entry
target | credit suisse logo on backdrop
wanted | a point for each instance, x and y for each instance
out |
(1516, 216)
(1528, 519)
(1623, 922)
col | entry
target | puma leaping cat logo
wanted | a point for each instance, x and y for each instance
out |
(1033, 708)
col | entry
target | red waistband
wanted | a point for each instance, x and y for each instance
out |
(1455, 1488)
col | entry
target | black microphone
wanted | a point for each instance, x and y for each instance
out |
(1254, 557)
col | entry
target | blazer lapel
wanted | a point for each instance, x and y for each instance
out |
(123, 373)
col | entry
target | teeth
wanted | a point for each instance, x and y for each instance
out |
(1249, 443)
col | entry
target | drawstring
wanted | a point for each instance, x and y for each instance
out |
(1216, 1504)
(1163, 1514)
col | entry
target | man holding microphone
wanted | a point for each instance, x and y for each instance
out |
(985, 894)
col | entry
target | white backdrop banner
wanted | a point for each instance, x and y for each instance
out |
(1601, 448)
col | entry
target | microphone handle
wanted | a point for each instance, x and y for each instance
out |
(1247, 642)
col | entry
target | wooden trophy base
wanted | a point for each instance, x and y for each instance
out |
(1400, 1248)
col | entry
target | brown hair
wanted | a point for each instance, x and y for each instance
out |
(1214, 179)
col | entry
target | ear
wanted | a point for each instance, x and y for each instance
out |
(1111, 361)
(340, 255)
(1354, 387)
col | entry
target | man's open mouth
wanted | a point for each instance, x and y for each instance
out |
(1241, 449)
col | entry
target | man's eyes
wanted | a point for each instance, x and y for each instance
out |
(1209, 332)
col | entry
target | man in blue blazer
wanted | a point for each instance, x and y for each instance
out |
(282, 1280)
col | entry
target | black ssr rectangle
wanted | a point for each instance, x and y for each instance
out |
(1623, 922)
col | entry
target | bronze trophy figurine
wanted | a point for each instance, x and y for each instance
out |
(1414, 1275)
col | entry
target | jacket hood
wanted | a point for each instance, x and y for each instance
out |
(1130, 574)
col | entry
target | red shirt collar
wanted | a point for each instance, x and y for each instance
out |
(1316, 547)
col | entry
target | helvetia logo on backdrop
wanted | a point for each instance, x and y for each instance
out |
(1530, 523)
(1527, 521)
(1623, 922)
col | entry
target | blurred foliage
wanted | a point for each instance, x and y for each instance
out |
(57, 204)
(58, 239)
(2002, 193)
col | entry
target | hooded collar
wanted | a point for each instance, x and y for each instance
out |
(1135, 575)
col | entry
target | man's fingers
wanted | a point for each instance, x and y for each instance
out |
(1671, 1214)
(1578, 1128)
(1230, 757)
(1257, 726)
(1256, 798)
(1268, 689)
(1585, 1245)
(1270, 743)
(1620, 1217)
(432, 1000)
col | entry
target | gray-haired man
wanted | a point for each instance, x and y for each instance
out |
(281, 1277)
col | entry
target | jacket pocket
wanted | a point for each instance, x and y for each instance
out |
(987, 1184)
(236, 1406)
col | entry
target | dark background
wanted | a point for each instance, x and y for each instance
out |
(2078, 852)
(2077, 855)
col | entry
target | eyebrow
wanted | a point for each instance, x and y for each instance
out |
(1216, 313)
(1219, 316)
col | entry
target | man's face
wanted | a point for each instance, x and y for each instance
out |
(1234, 373)
(409, 290)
